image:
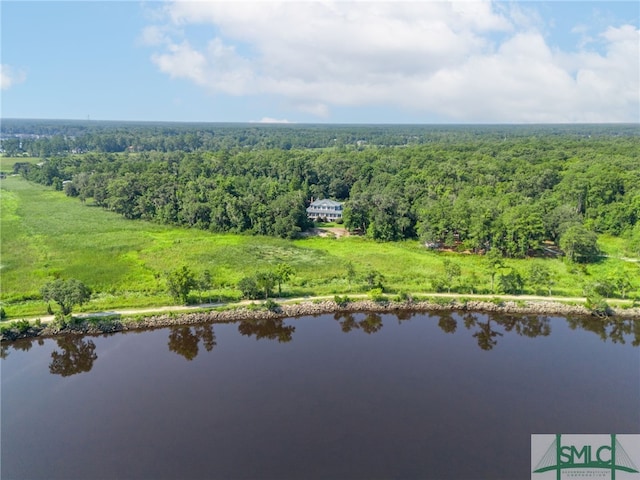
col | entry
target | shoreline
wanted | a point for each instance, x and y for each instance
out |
(102, 325)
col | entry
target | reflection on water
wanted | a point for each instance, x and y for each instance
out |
(20, 345)
(371, 323)
(269, 328)
(185, 340)
(447, 395)
(487, 333)
(447, 324)
(609, 328)
(77, 356)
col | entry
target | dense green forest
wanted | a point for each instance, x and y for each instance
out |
(519, 190)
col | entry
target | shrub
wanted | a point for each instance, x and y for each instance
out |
(60, 320)
(403, 297)
(438, 284)
(376, 295)
(598, 306)
(22, 325)
(271, 305)
(254, 307)
(341, 301)
(443, 301)
(497, 301)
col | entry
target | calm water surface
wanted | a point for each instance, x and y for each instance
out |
(347, 397)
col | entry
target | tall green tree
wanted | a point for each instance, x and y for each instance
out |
(66, 293)
(265, 281)
(180, 283)
(580, 244)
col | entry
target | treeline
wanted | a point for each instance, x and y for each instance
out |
(465, 191)
(45, 138)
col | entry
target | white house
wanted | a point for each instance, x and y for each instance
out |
(327, 209)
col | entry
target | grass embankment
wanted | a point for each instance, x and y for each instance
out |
(44, 234)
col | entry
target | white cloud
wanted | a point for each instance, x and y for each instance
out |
(10, 76)
(465, 61)
(270, 120)
(216, 67)
(154, 35)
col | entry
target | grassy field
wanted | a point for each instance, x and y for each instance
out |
(7, 163)
(44, 234)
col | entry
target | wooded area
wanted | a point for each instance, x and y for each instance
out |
(516, 189)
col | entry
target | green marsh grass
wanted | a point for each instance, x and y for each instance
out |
(45, 234)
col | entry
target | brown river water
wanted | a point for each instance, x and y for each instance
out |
(360, 396)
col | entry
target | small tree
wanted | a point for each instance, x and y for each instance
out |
(374, 279)
(540, 277)
(283, 273)
(511, 283)
(351, 272)
(265, 282)
(249, 288)
(180, 283)
(621, 280)
(204, 283)
(66, 293)
(493, 262)
(451, 272)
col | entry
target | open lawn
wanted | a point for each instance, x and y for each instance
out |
(45, 234)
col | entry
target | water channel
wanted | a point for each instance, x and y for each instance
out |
(345, 396)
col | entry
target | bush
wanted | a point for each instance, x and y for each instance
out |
(442, 301)
(600, 288)
(253, 307)
(497, 301)
(376, 295)
(438, 284)
(341, 301)
(3, 314)
(598, 306)
(271, 305)
(60, 320)
(22, 325)
(403, 297)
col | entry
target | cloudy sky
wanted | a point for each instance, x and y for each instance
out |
(332, 61)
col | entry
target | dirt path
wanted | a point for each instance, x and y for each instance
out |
(187, 308)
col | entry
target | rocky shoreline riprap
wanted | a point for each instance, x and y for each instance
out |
(98, 325)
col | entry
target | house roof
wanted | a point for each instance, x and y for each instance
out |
(325, 203)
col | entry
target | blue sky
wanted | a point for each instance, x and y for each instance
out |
(330, 61)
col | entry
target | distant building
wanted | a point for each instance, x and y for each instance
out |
(325, 209)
